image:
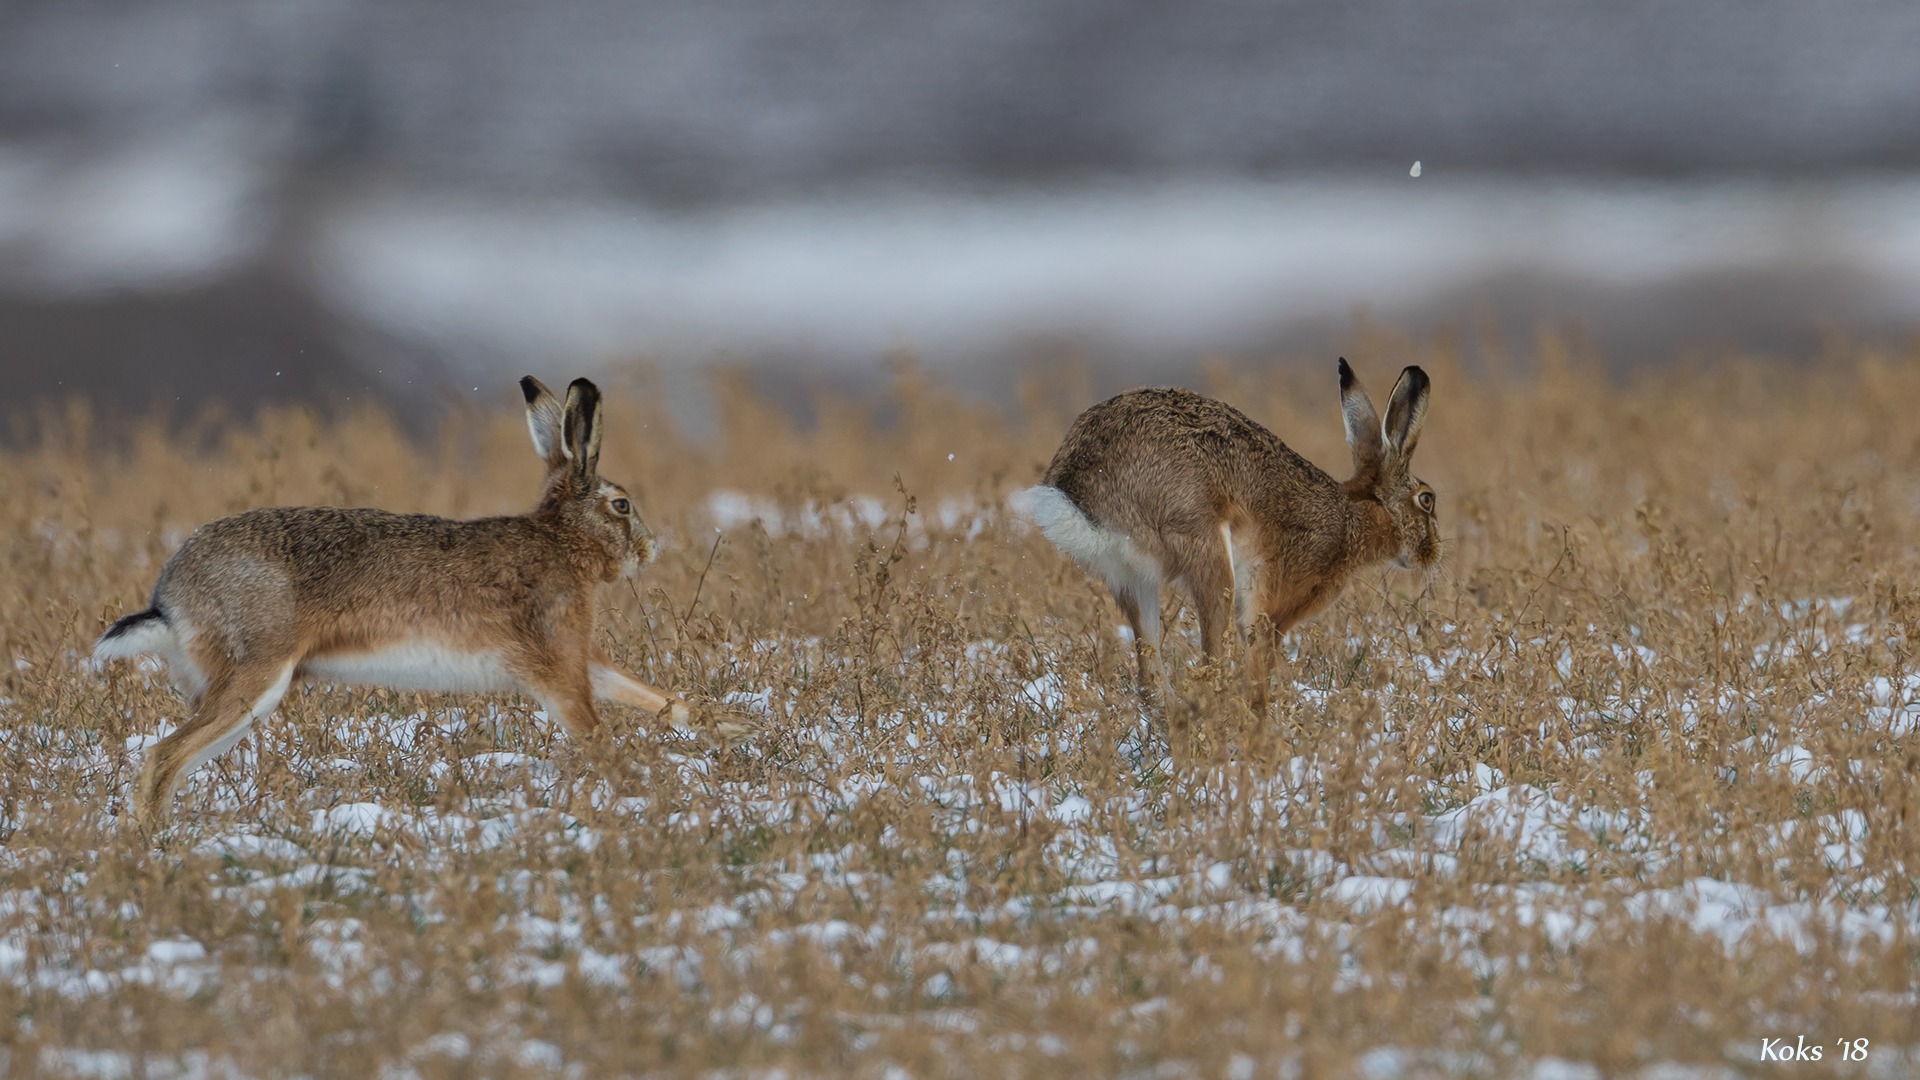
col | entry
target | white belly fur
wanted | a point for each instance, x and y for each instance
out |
(413, 665)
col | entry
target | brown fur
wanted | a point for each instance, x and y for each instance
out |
(261, 598)
(1166, 469)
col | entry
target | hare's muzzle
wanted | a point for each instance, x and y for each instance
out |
(1421, 555)
(645, 548)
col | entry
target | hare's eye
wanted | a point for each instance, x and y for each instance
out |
(621, 506)
(1425, 499)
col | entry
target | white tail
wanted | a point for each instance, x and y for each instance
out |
(137, 635)
(1132, 574)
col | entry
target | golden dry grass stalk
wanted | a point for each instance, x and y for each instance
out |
(1633, 782)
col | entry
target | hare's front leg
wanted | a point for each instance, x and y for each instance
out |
(612, 684)
(235, 697)
(1284, 608)
(1263, 653)
(567, 694)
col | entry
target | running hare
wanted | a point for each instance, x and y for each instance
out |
(253, 601)
(1164, 485)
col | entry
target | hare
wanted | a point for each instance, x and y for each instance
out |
(1162, 485)
(254, 601)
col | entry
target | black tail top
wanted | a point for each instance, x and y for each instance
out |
(128, 622)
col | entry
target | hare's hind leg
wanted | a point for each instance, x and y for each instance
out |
(236, 696)
(1139, 600)
(1210, 578)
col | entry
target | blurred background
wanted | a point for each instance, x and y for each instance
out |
(413, 200)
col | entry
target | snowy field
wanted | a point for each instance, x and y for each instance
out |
(1627, 791)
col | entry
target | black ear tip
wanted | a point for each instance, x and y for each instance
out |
(1419, 377)
(584, 392)
(530, 388)
(1346, 374)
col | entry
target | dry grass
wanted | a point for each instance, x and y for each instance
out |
(1632, 787)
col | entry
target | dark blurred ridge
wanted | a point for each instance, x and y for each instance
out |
(250, 339)
(418, 199)
(707, 99)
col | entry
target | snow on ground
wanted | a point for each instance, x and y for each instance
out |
(519, 798)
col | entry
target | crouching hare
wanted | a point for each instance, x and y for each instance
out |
(254, 601)
(1163, 485)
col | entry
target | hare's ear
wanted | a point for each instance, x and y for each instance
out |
(1406, 411)
(544, 422)
(1363, 424)
(583, 431)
